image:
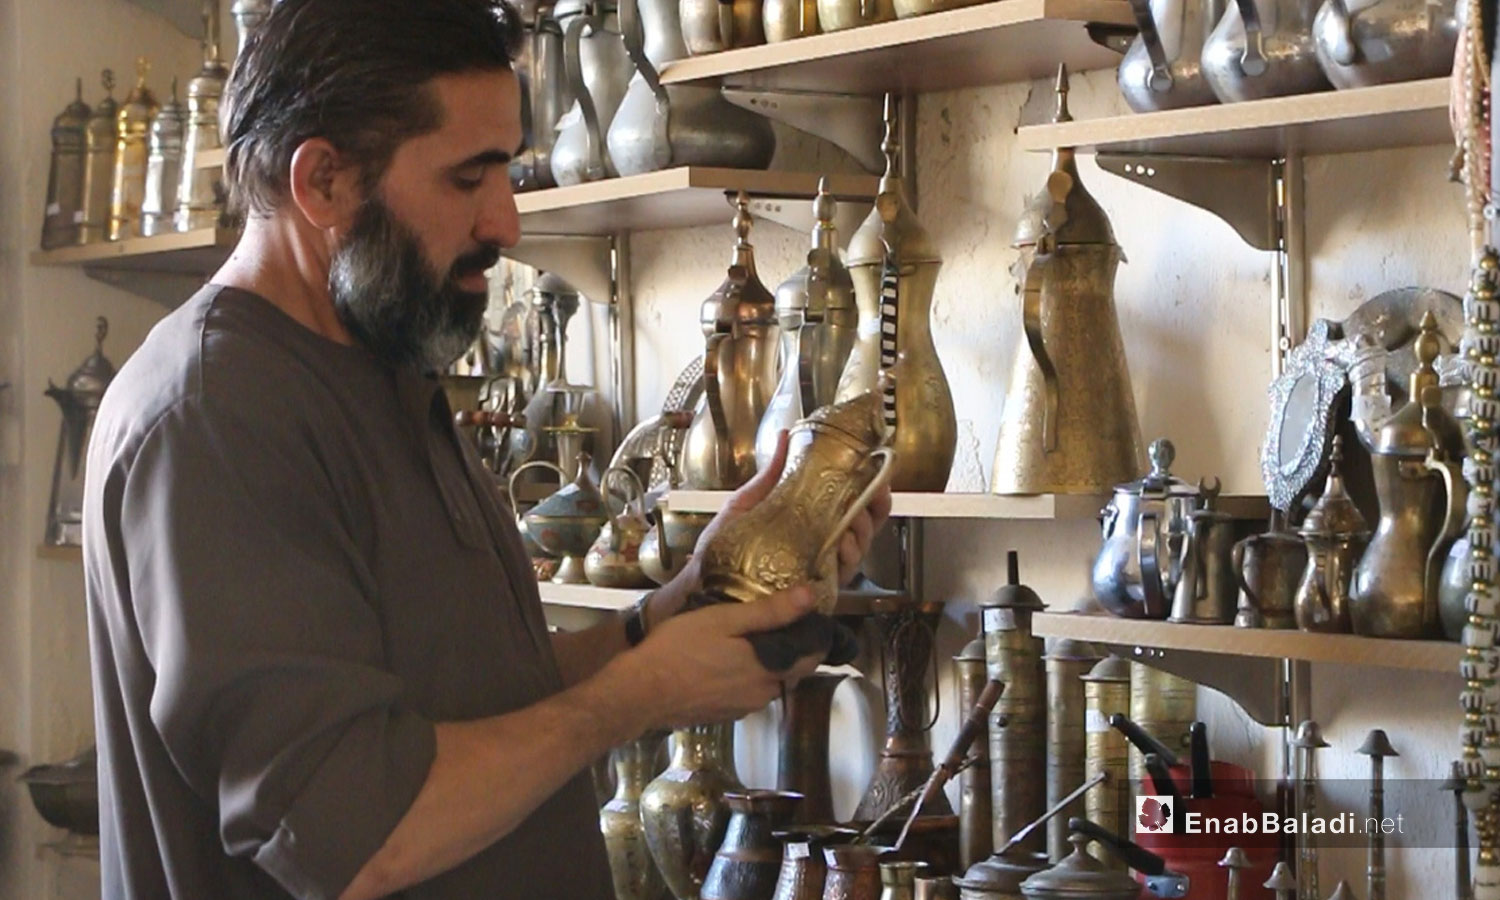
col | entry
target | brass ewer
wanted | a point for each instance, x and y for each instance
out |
(132, 130)
(739, 370)
(894, 265)
(64, 210)
(1069, 424)
(630, 864)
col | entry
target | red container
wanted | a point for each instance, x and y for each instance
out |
(1197, 855)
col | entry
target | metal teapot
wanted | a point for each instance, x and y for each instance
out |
(659, 126)
(1335, 534)
(1145, 532)
(1068, 424)
(79, 399)
(709, 26)
(1419, 480)
(672, 539)
(818, 319)
(614, 561)
(598, 73)
(1264, 48)
(739, 371)
(1163, 69)
(567, 523)
(1366, 42)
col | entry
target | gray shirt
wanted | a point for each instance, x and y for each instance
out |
(295, 566)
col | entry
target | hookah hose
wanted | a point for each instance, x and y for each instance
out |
(780, 649)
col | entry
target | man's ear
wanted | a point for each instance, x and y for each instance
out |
(324, 188)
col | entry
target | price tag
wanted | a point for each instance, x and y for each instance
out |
(1095, 722)
(54, 208)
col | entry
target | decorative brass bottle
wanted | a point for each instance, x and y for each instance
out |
(1165, 707)
(634, 872)
(99, 165)
(132, 126)
(163, 168)
(1018, 725)
(894, 266)
(907, 645)
(802, 760)
(64, 211)
(683, 809)
(197, 203)
(975, 828)
(739, 371)
(1067, 663)
(1107, 692)
(1068, 425)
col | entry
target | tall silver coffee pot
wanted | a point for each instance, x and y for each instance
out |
(79, 399)
(163, 167)
(1365, 42)
(197, 199)
(598, 71)
(659, 126)
(1163, 69)
(1264, 48)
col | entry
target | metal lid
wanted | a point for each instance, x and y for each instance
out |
(891, 223)
(1377, 744)
(1406, 433)
(1081, 875)
(741, 297)
(1083, 220)
(824, 283)
(973, 651)
(1334, 515)
(1014, 595)
(1111, 668)
(1071, 650)
(1000, 875)
(140, 106)
(68, 126)
(102, 122)
(88, 381)
(168, 125)
(1160, 482)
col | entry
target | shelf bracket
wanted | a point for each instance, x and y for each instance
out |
(849, 122)
(170, 289)
(1255, 683)
(798, 214)
(1242, 192)
(584, 261)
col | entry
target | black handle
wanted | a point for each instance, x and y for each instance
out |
(1134, 855)
(1160, 777)
(1203, 779)
(1143, 741)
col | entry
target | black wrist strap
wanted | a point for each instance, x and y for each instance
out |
(635, 621)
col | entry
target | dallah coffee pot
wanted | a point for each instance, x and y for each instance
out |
(598, 72)
(1335, 534)
(79, 399)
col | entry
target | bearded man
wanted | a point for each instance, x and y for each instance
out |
(320, 664)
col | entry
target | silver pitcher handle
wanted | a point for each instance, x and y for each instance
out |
(1160, 80)
(593, 135)
(714, 399)
(1344, 50)
(634, 35)
(887, 457)
(1237, 559)
(1146, 551)
(1455, 516)
(1253, 60)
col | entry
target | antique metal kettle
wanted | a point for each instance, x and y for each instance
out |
(64, 210)
(1365, 42)
(614, 561)
(1069, 423)
(1335, 534)
(673, 536)
(163, 167)
(598, 72)
(567, 523)
(894, 266)
(836, 463)
(99, 165)
(659, 126)
(836, 15)
(79, 399)
(1419, 481)
(1264, 48)
(197, 202)
(1145, 531)
(739, 371)
(709, 26)
(788, 19)
(818, 320)
(132, 125)
(1163, 69)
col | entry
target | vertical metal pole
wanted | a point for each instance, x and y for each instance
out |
(621, 335)
(1297, 691)
(909, 533)
(906, 120)
(1294, 248)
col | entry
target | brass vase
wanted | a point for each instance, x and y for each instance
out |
(907, 644)
(635, 873)
(803, 758)
(749, 861)
(975, 837)
(683, 810)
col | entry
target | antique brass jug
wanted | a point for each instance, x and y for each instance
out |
(739, 371)
(1268, 567)
(99, 166)
(907, 651)
(630, 864)
(1367, 42)
(1335, 534)
(163, 167)
(673, 537)
(132, 125)
(683, 810)
(709, 26)
(1068, 425)
(894, 266)
(64, 210)
(197, 202)
(1419, 480)
(1263, 48)
(1163, 69)
(818, 320)
(79, 399)
(749, 859)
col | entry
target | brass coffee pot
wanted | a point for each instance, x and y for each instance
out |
(132, 127)
(818, 319)
(1069, 424)
(64, 210)
(79, 399)
(1335, 534)
(894, 266)
(99, 165)
(1419, 480)
(739, 371)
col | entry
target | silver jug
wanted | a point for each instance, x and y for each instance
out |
(79, 399)
(548, 95)
(598, 72)
(1145, 534)
(197, 203)
(818, 319)
(163, 167)
(660, 126)
(1264, 48)
(1208, 589)
(1163, 69)
(1365, 42)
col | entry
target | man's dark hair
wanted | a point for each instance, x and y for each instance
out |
(354, 72)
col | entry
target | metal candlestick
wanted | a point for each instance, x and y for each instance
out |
(1377, 746)
(1309, 741)
(1235, 860)
(1282, 881)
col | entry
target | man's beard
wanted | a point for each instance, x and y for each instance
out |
(394, 303)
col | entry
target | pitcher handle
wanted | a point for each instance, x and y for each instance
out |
(1455, 516)
(1031, 323)
(1253, 60)
(1237, 559)
(1343, 49)
(715, 402)
(1147, 554)
(632, 478)
(593, 136)
(510, 483)
(1160, 79)
(887, 455)
(663, 549)
(634, 34)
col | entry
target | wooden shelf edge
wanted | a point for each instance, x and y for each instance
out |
(588, 596)
(985, 506)
(63, 554)
(1345, 649)
(104, 253)
(756, 182)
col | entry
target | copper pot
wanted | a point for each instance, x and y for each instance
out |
(749, 861)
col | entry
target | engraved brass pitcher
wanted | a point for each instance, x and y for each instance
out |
(894, 266)
(1069, 424)
(739, 371)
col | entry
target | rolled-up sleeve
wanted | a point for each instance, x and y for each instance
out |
(257, 612)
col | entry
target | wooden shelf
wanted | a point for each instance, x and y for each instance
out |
(984, 506)
(211, 159)
(64, 554)
(588, 596)
(1348, 649)
(993, 43)
(673, 198)
(197, 252)
(1409, 114)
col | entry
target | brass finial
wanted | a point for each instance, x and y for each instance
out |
(107, 78)
(210, 32)
(142, 69)
(1062, 114)
(742, 219)
(1427, 345)
(823, 204)
(101, 331)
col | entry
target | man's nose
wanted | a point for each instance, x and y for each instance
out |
(499, 222)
